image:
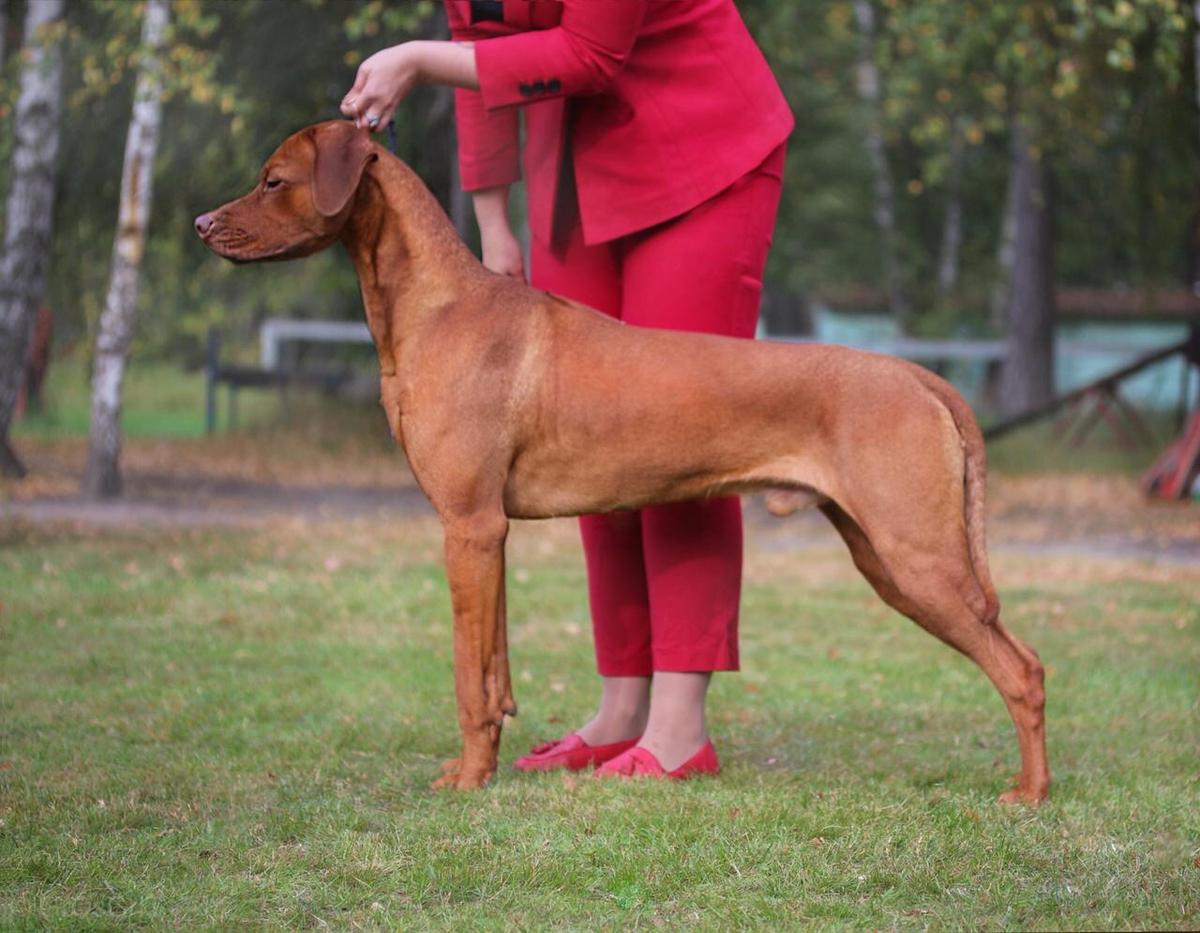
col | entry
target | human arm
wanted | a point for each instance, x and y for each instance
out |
(488, 142)
(579, 56)
(501, 251)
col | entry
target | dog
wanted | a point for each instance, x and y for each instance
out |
(513, 403)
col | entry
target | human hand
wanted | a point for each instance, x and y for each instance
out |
(502, 252)
(382, 82)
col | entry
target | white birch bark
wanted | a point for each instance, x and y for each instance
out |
(102, 475)
(870, 89)
(30, 206)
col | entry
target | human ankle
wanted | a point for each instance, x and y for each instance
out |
(673, 747)
(609, 726)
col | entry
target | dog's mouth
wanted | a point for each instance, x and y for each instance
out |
(240, 248)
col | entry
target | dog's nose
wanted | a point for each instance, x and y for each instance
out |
(204, 223)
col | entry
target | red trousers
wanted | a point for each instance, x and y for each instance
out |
(665, 581)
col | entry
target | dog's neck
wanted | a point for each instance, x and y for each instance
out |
(409, 258)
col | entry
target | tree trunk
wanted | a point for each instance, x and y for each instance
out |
(1027, 379)
(102, 476)
(1196, 47)
(30, 207)
(4, 28)
(871, 91)
(998, 302)
(1193, 259)
(948, 261)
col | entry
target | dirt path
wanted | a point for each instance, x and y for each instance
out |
(175, 500)
(1051, 516)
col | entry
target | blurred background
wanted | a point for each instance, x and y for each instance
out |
(1008, 193)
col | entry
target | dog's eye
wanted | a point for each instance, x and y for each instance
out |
(272, 183)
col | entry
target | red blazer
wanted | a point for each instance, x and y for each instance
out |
(671, 102)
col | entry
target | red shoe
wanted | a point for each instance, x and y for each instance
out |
(570, 752)
(640, 762)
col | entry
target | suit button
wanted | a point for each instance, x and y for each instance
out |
(539, 87)
(525, 89)
(554, 85)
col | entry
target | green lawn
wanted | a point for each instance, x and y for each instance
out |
(226, 729)
(161, 400)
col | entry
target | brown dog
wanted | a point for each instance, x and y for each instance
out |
(512, 403)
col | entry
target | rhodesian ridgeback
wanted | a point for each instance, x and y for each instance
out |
(512, 403)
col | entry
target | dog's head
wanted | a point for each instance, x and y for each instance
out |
(304, 194)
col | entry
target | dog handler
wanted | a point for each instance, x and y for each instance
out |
(653, 160)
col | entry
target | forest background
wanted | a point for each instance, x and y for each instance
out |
(955, 161)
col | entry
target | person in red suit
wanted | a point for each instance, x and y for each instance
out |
(653, 161)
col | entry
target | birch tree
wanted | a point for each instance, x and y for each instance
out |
(102, 475)
(30, 206)
(870, 89)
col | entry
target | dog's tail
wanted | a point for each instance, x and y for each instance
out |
(974, 484)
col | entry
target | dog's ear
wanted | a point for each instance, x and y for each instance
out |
(343, 151)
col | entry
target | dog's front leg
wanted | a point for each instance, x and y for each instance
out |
(475, 571)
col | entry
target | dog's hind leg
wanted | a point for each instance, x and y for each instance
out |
(932, 583)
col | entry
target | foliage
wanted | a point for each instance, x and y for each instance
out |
(242, 75)
(1107, 82)
(1092, 78)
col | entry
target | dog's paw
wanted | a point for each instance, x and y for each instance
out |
(1021, 795)
(462, 780)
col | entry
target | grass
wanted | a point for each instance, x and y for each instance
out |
(219, 729)
(160, 401)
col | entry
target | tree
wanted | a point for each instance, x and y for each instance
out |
(1066, 84)
(950, 255)
(871, 91)
(1196, 48)
(1027, 377)
(30, 206)
(102, 475)
(1106, 61)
